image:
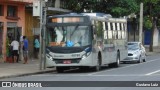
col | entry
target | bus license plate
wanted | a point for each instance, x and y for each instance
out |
(67, 62)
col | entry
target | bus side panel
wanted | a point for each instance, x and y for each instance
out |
(121, 46)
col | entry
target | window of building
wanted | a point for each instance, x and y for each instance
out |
(12, 11)
(1, 10)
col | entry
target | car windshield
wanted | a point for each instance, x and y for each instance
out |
(133, 46)
(69, 36)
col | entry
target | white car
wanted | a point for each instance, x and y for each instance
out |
(136, 52)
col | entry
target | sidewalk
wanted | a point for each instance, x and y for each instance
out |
(19, 69)
(156, 50)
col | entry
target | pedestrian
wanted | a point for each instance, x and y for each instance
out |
(15, 48)
(25, 50)
(36, 47)
(21, 48)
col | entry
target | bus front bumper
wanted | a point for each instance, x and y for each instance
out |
(68, 63)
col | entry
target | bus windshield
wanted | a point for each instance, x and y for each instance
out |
(69, 36)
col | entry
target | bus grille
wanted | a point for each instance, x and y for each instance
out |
(60, 61)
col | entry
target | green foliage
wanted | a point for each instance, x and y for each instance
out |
(74, 5)
(147, 23)
(124, 7)
(116, 8)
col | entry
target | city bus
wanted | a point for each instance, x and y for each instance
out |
(86, 40)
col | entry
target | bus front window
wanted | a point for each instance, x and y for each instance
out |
(69, 36)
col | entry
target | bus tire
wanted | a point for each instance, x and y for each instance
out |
(98, 66)
(60, 69)
(118, 60)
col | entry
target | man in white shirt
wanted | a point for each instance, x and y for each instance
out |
(15, 48)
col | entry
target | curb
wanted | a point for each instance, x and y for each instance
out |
(151, 53)
(27, 74)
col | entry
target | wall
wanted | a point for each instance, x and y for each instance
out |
(155, 37)
(30, 22)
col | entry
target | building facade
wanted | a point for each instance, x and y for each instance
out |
(16, 19)
(12, 23)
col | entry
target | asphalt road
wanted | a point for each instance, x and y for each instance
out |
(134, 73)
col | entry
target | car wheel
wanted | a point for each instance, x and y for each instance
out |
(144, 60)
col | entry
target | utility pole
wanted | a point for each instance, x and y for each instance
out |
(141, 23)
(44, 35)
(43, 12)
(41, 24)
(40, 10)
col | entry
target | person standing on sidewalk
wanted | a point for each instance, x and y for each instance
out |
(36, 47)
(21, 49)
(15, 48)
(25, 50)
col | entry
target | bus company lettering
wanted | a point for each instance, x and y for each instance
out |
(75, 55)
(58, 56)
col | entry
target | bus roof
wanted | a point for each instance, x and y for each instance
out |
(93, 16)
(64, 15)
(85, 14)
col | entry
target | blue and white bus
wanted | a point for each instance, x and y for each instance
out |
(85, 40)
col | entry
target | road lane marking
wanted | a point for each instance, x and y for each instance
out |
(152, 72)
(124, 67)
(111, 75)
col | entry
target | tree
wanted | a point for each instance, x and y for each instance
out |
(151, 11)
(124, 7)
(116, 8)
(119, 8)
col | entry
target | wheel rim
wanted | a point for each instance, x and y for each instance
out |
(118, 61)
(98, 66)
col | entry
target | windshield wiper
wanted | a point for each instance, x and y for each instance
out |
(75, 29)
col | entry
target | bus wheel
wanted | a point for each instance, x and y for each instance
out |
(60, 69)
(98, 66)
(117, 63)
(118, 60)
